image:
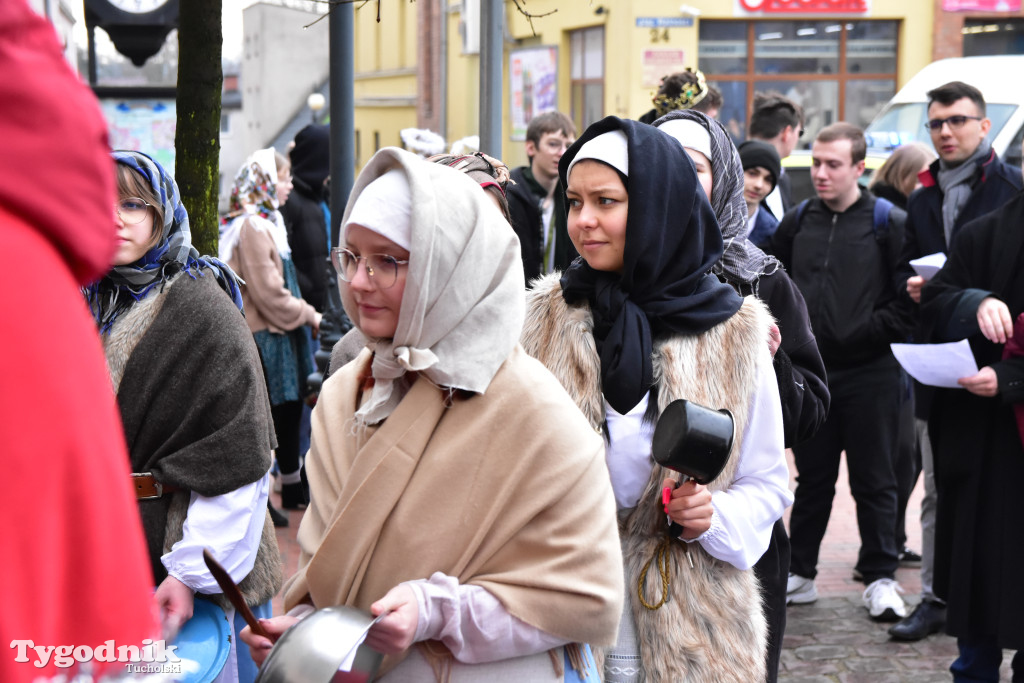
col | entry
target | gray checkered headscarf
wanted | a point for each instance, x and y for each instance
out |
(741, 262)
(125, 285)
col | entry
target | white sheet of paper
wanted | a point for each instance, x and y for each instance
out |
(938, 365)
(927, 266)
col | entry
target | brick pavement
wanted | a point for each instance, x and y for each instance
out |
(832, 640)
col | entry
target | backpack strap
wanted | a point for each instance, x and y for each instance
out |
(880, 219)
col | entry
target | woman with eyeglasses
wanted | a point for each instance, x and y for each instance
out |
(254, 242)
(455, 488)
(193, 404)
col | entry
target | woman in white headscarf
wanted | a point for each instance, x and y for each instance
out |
(254, 242)
(454, 485)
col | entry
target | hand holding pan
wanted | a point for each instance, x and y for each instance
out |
(694, 441)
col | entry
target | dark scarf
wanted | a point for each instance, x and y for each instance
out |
(666, 285)
(124, 286)
(742, 262)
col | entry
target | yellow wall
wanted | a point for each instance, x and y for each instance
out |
(391, 60)
(385, 78)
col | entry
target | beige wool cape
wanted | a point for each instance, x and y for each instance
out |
(507, 490)
(712, 628)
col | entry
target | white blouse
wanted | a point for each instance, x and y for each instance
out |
(230, 525)
(745, 512)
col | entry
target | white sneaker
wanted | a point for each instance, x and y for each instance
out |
(800, 590)
(883, 601)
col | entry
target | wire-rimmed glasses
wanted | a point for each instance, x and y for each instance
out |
(132, 210)
(381, 268)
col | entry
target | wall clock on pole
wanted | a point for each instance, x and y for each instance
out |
(138, 28)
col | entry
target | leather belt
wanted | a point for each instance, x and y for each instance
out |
(148, 488)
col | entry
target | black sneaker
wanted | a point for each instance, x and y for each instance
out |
(908, 558)
(279, 519)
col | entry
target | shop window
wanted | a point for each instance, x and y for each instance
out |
(586, 69)
(837, 70)
(993, 37)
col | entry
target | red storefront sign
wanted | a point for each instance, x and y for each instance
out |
(980, 5)
(806, 6)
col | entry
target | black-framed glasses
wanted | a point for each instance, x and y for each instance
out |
(132, 210)
(381, 268)
(955, 122)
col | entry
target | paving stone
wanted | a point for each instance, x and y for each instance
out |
(871, 665)
(817, 652)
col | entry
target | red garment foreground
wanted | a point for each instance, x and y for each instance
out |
(75, 570)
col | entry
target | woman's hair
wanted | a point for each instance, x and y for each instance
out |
(900, 170)
(282, 163)
(131, 184)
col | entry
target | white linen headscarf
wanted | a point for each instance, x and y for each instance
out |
(463, 306)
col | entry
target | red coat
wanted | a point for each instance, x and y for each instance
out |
(74, 564)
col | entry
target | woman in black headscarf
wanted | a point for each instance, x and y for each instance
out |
(640, 320)
(799, 369)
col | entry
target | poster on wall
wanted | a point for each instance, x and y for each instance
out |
(146, 125)
(660, 62)
(981, 5)
(533, 84)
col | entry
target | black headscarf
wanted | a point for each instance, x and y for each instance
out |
(666, 285)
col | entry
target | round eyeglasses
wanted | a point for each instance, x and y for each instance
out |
(381, 268)
(132, 209)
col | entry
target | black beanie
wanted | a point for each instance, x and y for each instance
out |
(311, 156)
(755, 153)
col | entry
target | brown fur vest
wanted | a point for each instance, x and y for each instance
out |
(712, 628)
(265, 579)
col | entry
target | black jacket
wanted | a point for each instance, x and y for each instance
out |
(979, 459)
(799, 370)
(995, 183)
(524, 206)
(307, 236)
(848, 277)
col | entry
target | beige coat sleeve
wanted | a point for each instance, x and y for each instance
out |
(264, 280)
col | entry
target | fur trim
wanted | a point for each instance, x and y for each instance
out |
(129, 328)
(713, 627)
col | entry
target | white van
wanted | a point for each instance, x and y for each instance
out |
(1001, 82)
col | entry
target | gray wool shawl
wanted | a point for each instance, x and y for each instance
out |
(193, 399)
(741, 262)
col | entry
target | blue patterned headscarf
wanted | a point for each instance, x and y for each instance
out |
(125, 285)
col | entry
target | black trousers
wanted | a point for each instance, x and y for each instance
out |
(908, 462)
(772, 571)
(287, 418)
(864, 421)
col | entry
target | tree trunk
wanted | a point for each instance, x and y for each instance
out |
(197, 136)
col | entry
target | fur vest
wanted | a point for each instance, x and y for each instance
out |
(712, 628)
(127, 348)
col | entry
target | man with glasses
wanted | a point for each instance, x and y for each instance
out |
(536, 203)
(966, 181)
